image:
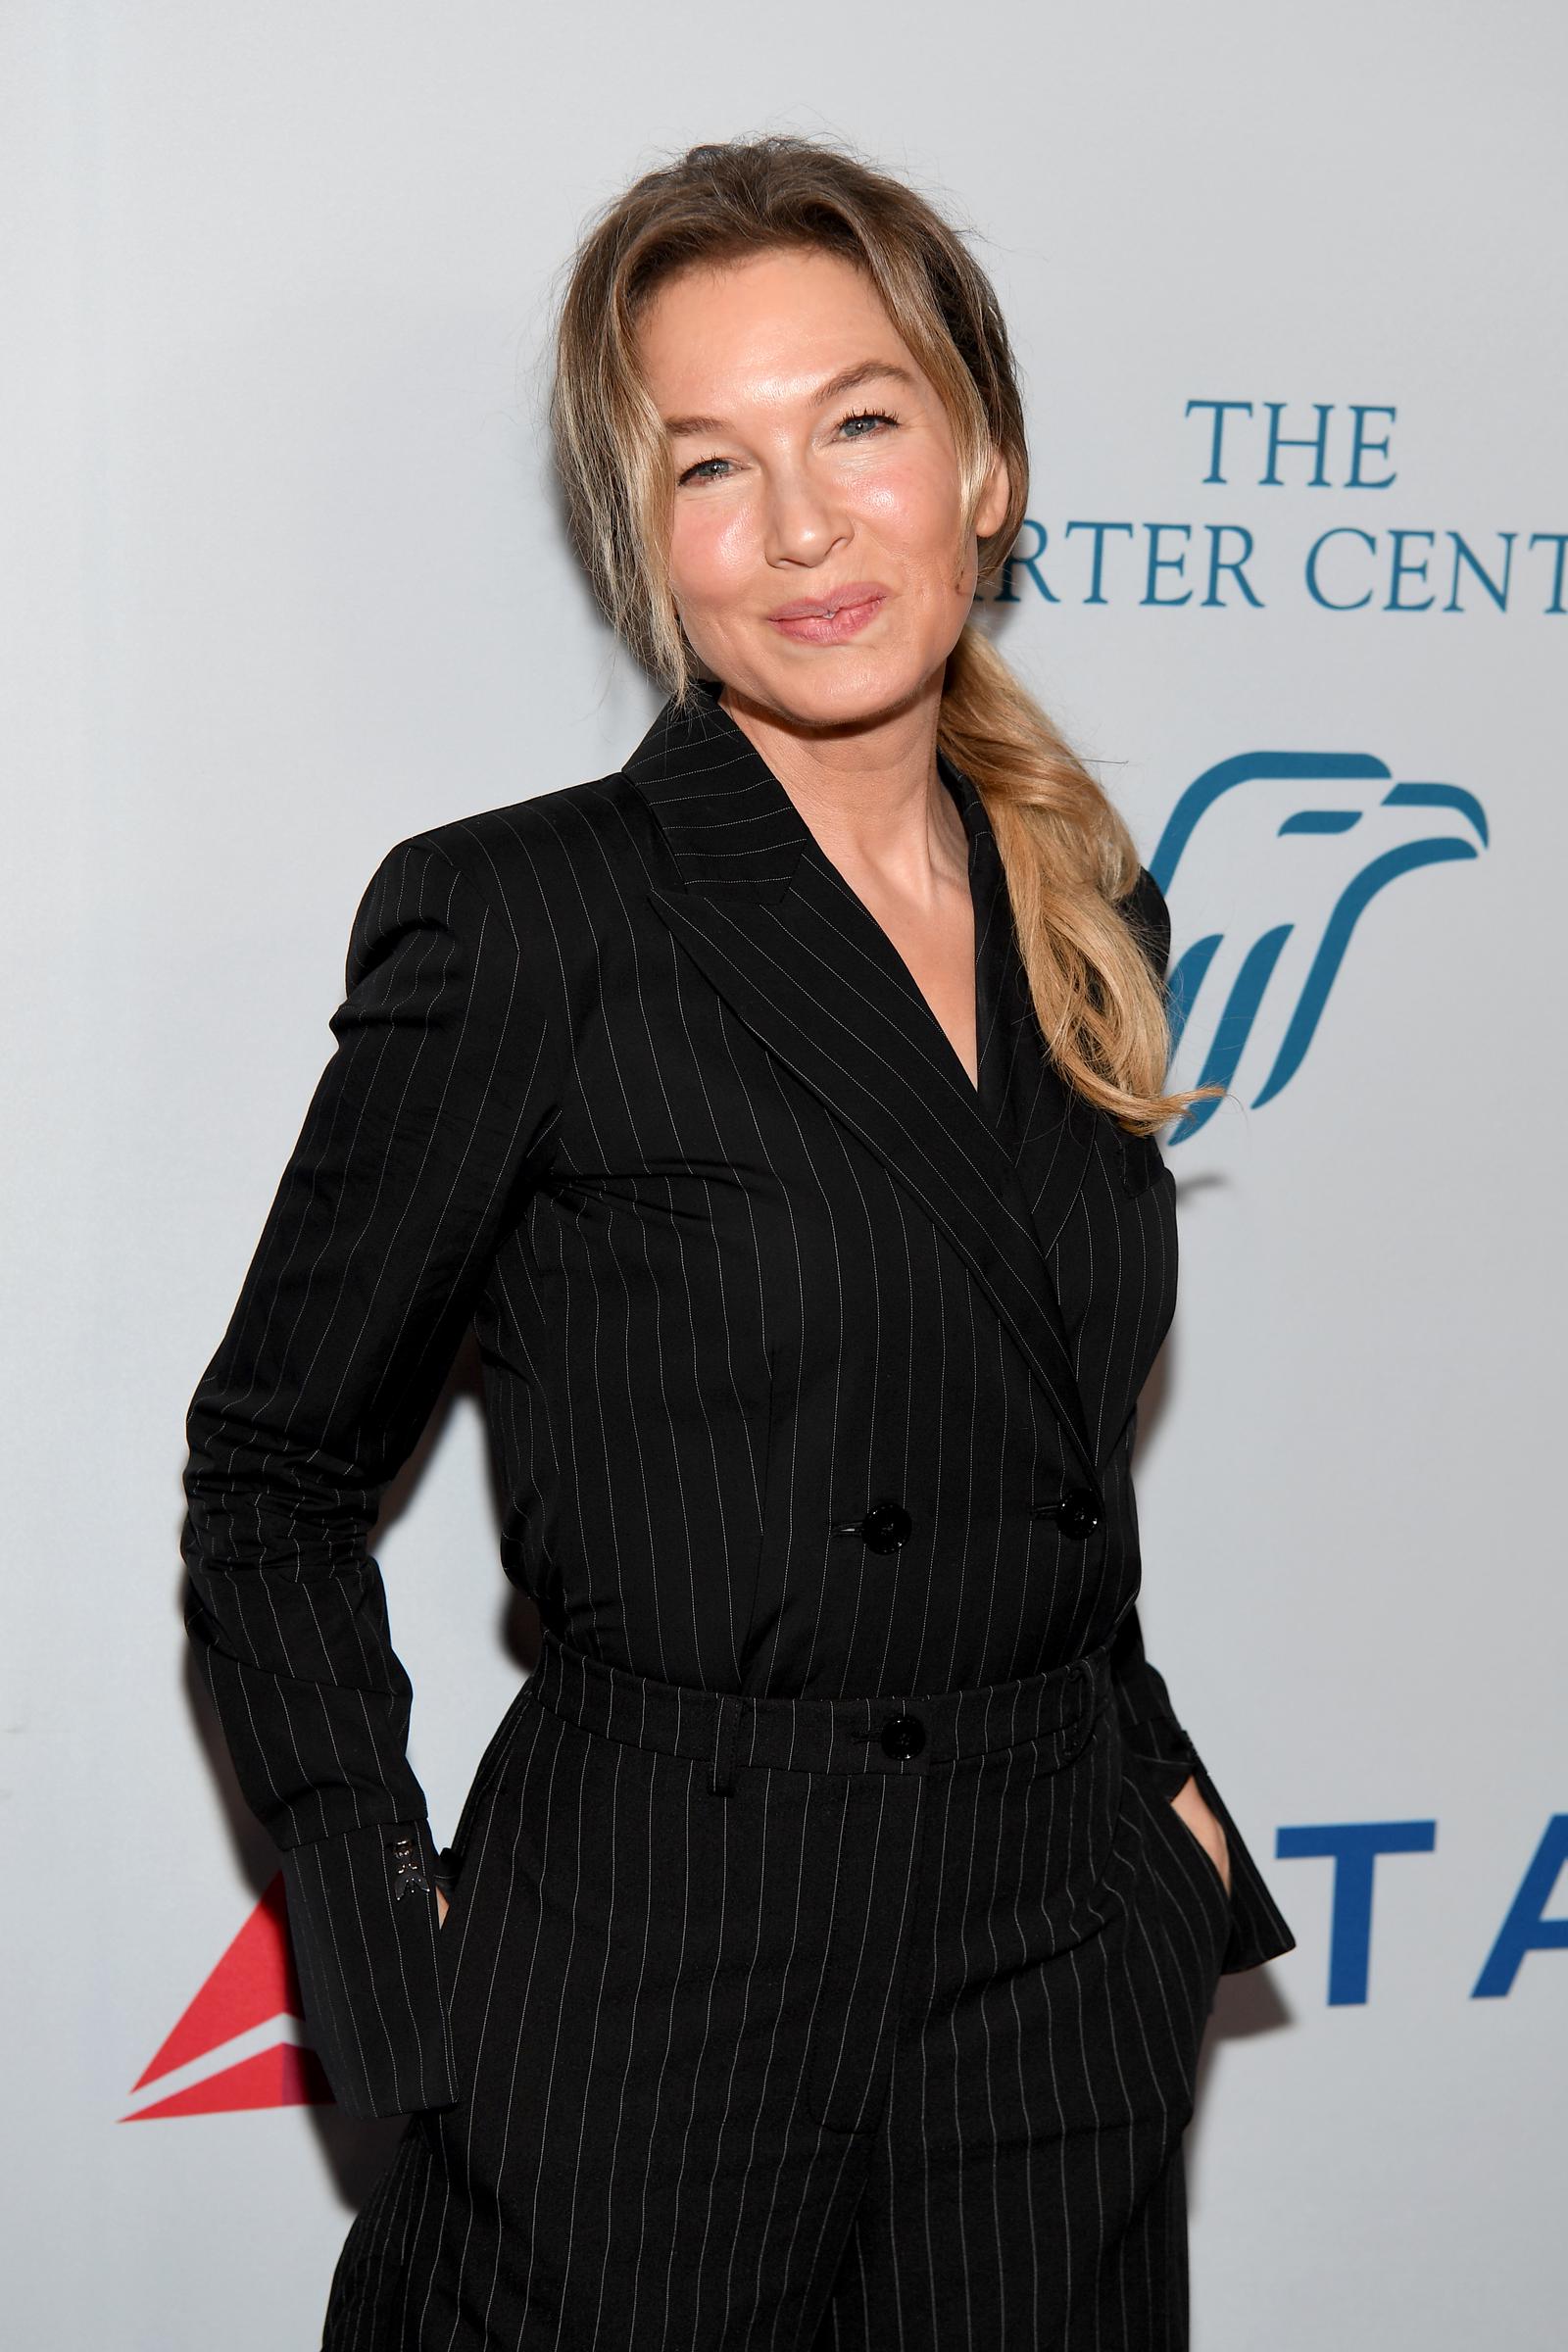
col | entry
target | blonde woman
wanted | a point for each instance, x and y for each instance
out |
(824, 1950)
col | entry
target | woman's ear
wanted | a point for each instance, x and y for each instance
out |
(992, 510)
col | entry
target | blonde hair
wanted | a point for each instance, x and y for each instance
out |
(1067, 855)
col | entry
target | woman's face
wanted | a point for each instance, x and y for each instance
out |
(814, 552)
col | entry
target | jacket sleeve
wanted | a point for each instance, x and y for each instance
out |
(1150, 1722)
(424, 1131)
(1148, 1716)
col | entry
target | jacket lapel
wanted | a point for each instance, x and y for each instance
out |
(774, 927)
(1049, 1126)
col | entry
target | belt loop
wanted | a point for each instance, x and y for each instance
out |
(1084, 1675)
(719, 1779)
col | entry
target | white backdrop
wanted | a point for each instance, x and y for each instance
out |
(285, 571)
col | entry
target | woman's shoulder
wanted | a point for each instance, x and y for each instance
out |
(576, 839)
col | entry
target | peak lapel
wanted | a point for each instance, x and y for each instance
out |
(1049, 1127)
(774, 927)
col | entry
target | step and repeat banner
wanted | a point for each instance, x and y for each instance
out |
(289, 582)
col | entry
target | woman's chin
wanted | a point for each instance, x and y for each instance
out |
(834, 692)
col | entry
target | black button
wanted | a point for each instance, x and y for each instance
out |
(1080, 1513)
(903, 1737)
(885, 1527)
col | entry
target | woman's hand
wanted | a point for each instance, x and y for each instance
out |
(441, 1908)
(1204, 1826)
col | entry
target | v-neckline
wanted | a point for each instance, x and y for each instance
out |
(974, 1084)
(975, 1087)
(967, 798)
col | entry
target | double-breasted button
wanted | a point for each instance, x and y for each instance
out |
(1077, 1513)
(885, 1527)
(903, 1737)
(1080, 1513)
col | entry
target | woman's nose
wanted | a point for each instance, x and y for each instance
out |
(803, 522)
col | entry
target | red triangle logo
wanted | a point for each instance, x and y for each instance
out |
(283, 2077)
(253, 1982)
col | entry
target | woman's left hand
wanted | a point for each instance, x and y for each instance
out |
(1204, 1826)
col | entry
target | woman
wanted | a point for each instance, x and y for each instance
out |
(836, 1910)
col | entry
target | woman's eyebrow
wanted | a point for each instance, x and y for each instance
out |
(847, 379)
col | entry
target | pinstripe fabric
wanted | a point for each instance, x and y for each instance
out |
(850, 2050)
(810, 1374)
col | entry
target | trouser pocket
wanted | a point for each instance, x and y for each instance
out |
(459, 1861)
(1185, 1872)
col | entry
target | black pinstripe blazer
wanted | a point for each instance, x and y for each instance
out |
(810, 1369)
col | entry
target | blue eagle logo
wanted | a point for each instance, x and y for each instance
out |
(1233, 978)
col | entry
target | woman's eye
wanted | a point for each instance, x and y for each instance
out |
(700, 473)
(866, 416)
(712, 469)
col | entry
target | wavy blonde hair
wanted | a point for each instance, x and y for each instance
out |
(1069, 856)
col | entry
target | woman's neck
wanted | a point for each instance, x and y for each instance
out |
(871, 794)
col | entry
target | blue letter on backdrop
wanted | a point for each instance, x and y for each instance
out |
(1355, 1846)
(1524, 1930)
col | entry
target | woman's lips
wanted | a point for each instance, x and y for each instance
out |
(832, 628)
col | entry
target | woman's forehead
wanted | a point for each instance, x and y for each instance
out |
(786, 324)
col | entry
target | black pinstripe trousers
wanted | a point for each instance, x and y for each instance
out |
(800, 2024)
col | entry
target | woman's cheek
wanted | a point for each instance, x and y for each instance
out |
(912, 509)
(711, 556)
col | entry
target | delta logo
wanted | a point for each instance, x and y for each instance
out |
(241, 2043)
